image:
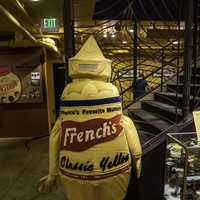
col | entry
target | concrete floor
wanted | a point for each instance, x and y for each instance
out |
(20, 170)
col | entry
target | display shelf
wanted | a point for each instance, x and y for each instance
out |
(183, 166)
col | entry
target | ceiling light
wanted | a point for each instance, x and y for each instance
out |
(131, 30)
(35, 0)
(124, 42)
(120, 51)
(175, 42)
(113, 35)
(105, 35)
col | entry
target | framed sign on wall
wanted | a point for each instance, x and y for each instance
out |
(21, 77)
(10, 86)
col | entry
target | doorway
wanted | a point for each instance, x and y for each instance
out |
(59, 84)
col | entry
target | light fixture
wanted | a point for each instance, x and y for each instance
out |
(175, 42)
(105, 35)
(131, 30)
(35, 0)
(120, 51)
(124, 42)
(113, 35)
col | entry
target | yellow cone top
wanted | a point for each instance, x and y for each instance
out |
(89, 62)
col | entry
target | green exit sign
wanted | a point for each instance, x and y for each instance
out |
(50, 24)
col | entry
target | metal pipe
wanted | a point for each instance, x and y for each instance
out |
(195, 31)
(15, 22)
(24, 31)
(162, 71)
(20, 7)
(187, 57)
(68, 35)
(178, 66)
(134, 56)
(185, 173)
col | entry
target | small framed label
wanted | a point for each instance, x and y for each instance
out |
(88, 66)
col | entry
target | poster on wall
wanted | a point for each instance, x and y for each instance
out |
(32, 91)
(21, 77)
(10, 86)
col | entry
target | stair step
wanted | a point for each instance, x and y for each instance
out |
(170, 98)
(197, 77)
(164, 111)
(172, 94)
(151, 118)
(181, 84)
(142, 124)
(197, 71)
(144, 136)
(171, 87)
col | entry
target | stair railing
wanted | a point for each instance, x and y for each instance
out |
(159, 71)
(196, 59)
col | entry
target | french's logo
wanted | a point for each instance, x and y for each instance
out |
(80, 136)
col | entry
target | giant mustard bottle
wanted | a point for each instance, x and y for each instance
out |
(92, 144)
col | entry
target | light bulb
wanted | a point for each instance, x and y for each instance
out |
(105, 35)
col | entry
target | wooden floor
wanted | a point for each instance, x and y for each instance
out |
(20, 170)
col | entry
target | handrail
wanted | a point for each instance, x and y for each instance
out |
(152, 73)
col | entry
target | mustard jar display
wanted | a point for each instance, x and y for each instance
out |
(92, 145)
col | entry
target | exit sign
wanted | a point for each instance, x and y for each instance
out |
(50, 24)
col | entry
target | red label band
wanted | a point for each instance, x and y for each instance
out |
(80, 136)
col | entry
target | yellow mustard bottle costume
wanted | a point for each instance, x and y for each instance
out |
(92, 143)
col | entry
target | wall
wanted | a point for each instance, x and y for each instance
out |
(24, 119)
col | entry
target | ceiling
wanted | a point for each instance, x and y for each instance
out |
(21, 19)
(165, 10)
(30, 13)
(89, 17)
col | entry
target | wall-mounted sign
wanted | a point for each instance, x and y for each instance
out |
(35, 78)
(10, 86)
(21, 75)
(50, 24)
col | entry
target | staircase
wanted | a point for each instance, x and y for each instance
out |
(153, 119)
(164, 111)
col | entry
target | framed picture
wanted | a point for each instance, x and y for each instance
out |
(10, 86)
(21, 76)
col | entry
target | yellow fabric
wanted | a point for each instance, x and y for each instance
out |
(128, 139)
(196, 116)
(89, 62)
(133, 142)
(113, 188)
(92, 143)
(88, 89)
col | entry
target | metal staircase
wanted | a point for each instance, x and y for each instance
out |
(164, 110)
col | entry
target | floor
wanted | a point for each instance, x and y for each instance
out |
(21, 168)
